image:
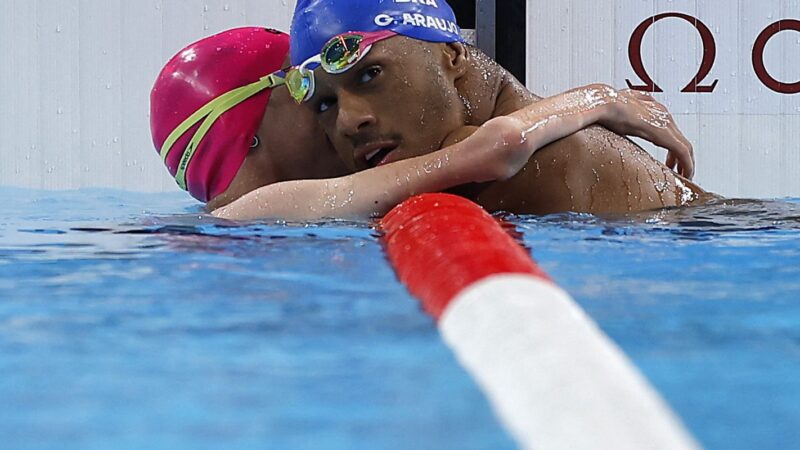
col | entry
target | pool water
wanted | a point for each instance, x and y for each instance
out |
(132, 320)
(705, 301)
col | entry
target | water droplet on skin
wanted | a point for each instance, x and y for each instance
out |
(686, 194)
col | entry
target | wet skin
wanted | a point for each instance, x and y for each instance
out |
(381, 103)
(292, 146)
(408, 97)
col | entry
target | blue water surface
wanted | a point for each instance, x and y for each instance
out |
(133, 321)
(705, 300)
(123, 325)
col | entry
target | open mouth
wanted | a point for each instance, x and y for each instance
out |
(379, 156)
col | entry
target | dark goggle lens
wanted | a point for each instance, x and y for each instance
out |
(341, 52)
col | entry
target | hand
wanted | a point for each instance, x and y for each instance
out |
(636, 113)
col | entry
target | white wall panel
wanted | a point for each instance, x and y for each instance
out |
(76, 78)
(19, 95)
(550, 59)
(99, 154)
(745, 135)
(760, 155)
(141, 53)
(790, 158)
(60, 116)
(593, 46)
(717, 161)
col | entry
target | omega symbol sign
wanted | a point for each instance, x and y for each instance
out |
(699, 83)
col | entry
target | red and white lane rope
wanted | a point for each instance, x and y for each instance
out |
(553, 377)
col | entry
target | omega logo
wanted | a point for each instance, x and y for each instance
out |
(696, 84)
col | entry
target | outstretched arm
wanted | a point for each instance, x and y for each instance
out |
(495, 151)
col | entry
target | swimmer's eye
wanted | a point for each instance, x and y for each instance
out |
(326, 104)
(369, 74)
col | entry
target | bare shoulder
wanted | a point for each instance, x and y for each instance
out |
(512, 96)
(492, 90)
(615, 175)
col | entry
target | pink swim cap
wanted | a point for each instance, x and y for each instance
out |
(199, 74)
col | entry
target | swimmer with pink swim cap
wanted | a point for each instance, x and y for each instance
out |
(226, 82)
(229, 132)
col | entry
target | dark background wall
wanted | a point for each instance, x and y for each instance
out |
(511, 34)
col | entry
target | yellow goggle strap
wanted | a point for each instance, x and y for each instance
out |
(209, 113)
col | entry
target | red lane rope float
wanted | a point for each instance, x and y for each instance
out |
(553, 378)
(439, 244)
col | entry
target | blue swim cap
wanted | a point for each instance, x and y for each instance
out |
(315, 22)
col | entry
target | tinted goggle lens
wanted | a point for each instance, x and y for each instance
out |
(337, 56)
(340, 53)
(300, 83)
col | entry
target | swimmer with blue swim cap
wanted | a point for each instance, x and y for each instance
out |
(393, 79)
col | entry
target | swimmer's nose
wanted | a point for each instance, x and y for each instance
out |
(355, 115)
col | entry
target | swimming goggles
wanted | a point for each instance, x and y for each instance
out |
(338, 55)
(208, 114)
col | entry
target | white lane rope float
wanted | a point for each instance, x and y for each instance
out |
(553, 378)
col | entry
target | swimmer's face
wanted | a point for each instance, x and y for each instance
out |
(291, 146)
(295, 142)
(398, 102)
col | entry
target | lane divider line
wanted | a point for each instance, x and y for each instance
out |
(554, 379)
